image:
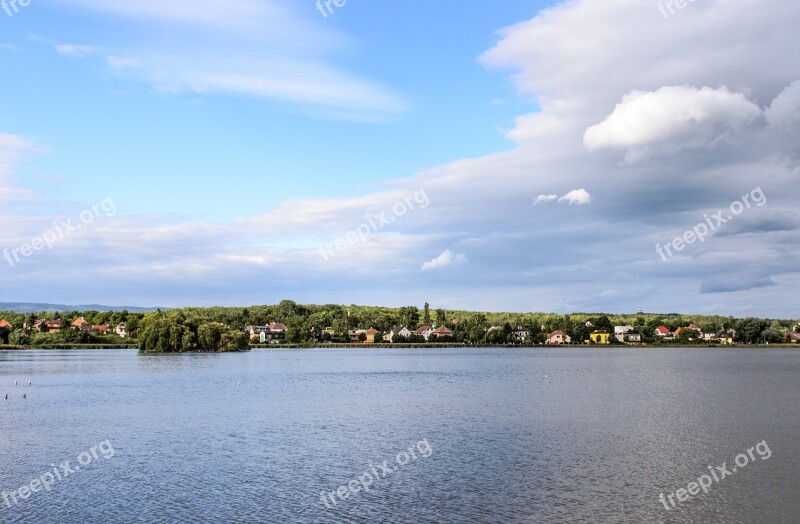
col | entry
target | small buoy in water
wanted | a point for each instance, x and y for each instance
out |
(29, 382)
(238, 384)
(24, 395)
(15, 383)
(545, 375)
(6, 396)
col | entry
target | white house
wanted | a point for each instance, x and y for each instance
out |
(399, 331)
(627, 334)
(557, 338)
(424, 332)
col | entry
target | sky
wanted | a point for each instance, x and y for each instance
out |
(579, 156)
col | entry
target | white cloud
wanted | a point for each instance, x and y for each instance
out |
(785, 109)
(232, 15)
(672, 118)
(544, 198)
(577, 196)
(445, 259)
(12, 150)
(77, 51)
(263, 48)
(569, 79)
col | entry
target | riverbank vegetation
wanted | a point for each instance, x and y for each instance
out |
(223, 328)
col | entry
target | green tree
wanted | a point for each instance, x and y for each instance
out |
(18, 337)
(209, 336)
(772, 336)
(165, 336)
(426, 317)
(602, 322)
(685, 335)
(409, 316)
(748, 330)
(234, 341)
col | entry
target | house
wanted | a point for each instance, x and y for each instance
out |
(328, 331)
(255, 331)
(725, 338)
(441, 332)
(121, 330)
(557, 338)
(101, 328)
(599, 337)
(81, 325)
(519, 333)
(399, 331)
(6, 324)
(369, 335)
(627, 334)
(792, 338)
(274, 333)
(47, 326)
(371, 332)
(621, 331)
(663, 331)
(424, 332)
(354, 334)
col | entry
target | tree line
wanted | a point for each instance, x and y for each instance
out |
(223, 328)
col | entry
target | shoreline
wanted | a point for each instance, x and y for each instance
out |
(51, 347)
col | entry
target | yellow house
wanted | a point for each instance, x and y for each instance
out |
(599, 337)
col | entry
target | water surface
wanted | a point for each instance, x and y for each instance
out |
(516, 435)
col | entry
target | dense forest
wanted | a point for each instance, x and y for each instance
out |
(222, 328)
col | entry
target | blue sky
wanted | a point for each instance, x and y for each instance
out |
(236, 138)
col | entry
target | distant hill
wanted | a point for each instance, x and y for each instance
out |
(21, 307)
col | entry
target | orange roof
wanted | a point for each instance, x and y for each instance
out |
(372, 331)
(442, 330)
(5, 323)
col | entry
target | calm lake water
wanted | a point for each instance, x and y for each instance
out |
(528, 435)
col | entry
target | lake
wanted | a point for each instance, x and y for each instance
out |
(390, 435)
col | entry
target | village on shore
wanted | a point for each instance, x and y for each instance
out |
(275, 333)
(292, 324)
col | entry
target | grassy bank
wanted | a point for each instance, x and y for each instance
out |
(69, 346)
